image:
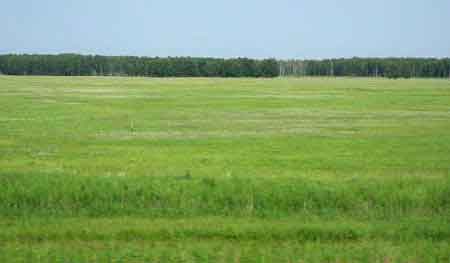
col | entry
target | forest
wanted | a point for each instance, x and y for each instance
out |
(87, 65)
(94, 65)
(368, 67)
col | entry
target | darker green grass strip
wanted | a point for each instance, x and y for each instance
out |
(237, 229)
(23, 195)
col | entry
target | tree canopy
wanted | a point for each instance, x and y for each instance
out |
(369, 67)
(81, 65)
(93, 65)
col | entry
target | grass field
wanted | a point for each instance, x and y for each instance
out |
(224, 170)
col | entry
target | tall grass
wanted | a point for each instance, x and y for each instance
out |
(98, 196)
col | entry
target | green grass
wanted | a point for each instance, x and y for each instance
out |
(224, 170)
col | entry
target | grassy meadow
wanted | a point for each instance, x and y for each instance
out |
(104, 169)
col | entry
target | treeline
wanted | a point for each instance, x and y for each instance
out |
(369, 67)
(81, 65)
(87, 65)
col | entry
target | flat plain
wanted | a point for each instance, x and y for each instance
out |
(105, 169)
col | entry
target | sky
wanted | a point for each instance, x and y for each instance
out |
(228, 28)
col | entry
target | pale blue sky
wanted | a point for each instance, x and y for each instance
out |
(228, 28)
